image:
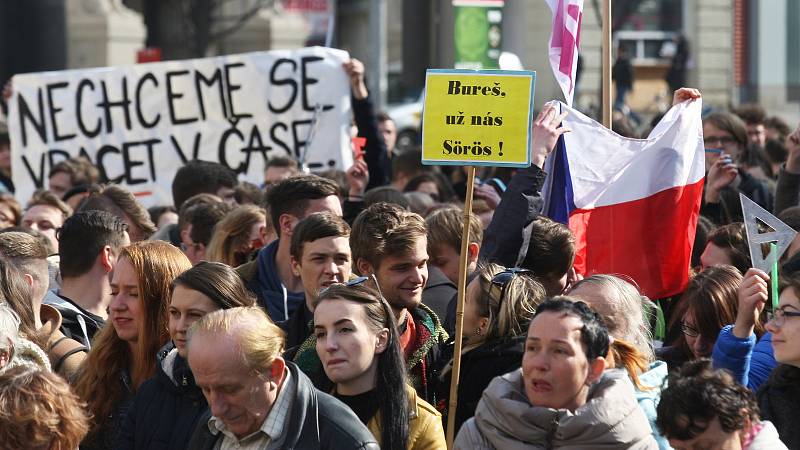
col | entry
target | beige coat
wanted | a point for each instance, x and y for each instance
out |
(505, 420)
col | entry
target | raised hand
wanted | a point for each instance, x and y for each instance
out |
(355, 70)
(357, 179)
(722, 173)
(545, 133)
(684, 94)
(793, 147)
(752, 298)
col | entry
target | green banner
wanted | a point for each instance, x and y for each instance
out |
(478, 33)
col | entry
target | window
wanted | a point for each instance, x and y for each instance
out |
(645, 28)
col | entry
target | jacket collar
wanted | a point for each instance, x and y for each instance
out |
(51, 321)
(429, 334)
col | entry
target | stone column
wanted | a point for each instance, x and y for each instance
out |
(102, 33)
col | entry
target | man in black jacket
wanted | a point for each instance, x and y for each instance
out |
(256, 398)
(90, 244)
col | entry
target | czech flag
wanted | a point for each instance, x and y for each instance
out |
(632, 204)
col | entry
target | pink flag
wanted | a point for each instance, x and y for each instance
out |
(564, 40)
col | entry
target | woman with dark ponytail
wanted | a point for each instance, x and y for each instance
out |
(358, 344)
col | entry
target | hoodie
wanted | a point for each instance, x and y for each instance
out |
(766, 439)
(261, 278)
(611, 419)
(76, 322)
(779, 402)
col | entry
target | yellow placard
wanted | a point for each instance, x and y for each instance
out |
(479, 118)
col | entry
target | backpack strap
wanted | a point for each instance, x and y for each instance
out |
(62, 349)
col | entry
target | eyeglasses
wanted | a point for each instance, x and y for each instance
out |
(497, 289)
(721, 140)
(689, 330)
(780, 315)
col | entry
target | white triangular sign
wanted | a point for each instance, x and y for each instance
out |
(782, 236)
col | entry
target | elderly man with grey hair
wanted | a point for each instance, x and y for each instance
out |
(256, 399)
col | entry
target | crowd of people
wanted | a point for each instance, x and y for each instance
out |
(320, 311)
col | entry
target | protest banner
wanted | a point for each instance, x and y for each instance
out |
(477, 118)
(139, 124)
(474, 118)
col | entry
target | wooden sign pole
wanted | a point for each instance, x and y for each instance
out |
(462, 290)
(606, 64)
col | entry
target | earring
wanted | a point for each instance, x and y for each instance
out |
(478, 331)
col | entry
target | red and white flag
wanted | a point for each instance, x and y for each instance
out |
(632, 204)
(564, 40)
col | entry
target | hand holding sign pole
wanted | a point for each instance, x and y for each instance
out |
(475, 118)
(779, 238)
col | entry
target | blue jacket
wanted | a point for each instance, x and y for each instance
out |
(749, 361)
(260, 276)
(166, 408)
(648, 399)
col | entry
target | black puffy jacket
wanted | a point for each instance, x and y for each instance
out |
(479, 367)
(779, 401)
(316, 421)
(166, 408)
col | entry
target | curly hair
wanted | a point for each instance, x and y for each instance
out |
(696, 395)
(156, 264)
(38, 410)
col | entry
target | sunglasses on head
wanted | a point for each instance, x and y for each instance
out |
(355, 282)
(497, 288)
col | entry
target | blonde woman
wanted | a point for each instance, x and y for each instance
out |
(242, 231)
(498, 306)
